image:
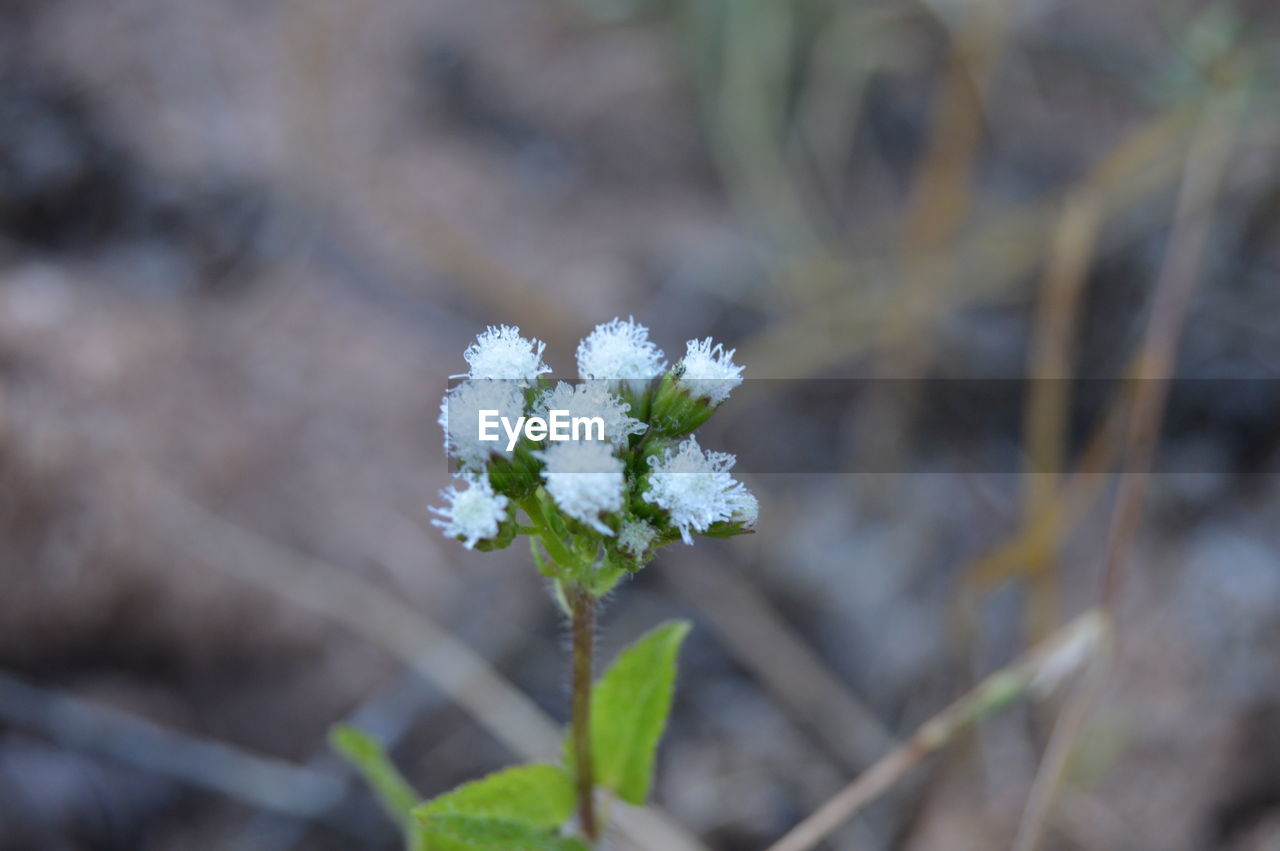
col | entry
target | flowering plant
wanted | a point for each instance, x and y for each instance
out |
(595, 510)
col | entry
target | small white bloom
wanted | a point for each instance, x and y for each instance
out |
(460, 418)
(709, 371)
(502, 353)
(591, 399)
(745, 508)
(584, 479)
(695, 487)
(620, 350)
(473, 514)
(635, 536)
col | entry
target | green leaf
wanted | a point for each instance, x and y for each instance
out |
(538, 795)
(629, 708)
(393, 791)
(468, 833)
(513, 809)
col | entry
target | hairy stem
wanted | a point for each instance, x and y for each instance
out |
(582, 609)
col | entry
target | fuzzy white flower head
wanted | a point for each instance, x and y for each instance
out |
(584, 479)
(473, 514)
(620, 350)
(502, 353)
(745, 508)
(695, 487)
(709, 371)
(460, 418)
(635, 536)
(591, 399)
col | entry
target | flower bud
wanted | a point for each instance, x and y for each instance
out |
(695, 490)
(621, 353)
(501, 353)
(460, 418)
(474, 515)
(690, 393)
(585, 480)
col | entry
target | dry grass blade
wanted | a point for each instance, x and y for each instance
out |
(1001, 252)
(1069, 504)
(1202, 177)
(1205, 168)
(1039, 672)
(1066, 729)
(1049, 400)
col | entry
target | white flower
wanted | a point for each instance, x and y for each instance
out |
(460, 418)
(745, 508)
(472, 514)
(620, 350)
(502, 353)
(709, 371)
(636, 536)
(584, 479)
(695, 488)
(591, 399)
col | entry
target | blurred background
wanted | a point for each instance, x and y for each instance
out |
(243, 244)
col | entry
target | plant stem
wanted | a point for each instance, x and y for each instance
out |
(582, 610)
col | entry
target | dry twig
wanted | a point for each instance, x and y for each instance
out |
(1037, 673)
(1201, 180)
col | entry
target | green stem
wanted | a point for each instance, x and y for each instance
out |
(582, 609)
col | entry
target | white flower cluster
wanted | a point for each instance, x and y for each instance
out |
(646, 484)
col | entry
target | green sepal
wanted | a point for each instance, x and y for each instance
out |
(516, 477)
(676, 411)
(625, 560)
(639, 399)
(726, 529)
(545, 567)
(602, 578)
(507, 531)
